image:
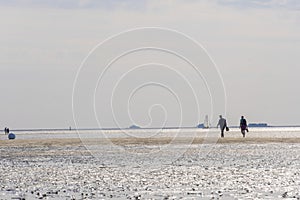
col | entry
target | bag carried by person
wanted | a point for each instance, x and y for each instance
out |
(227, 128)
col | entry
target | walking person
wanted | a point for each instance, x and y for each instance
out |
(223, 124)
(243, 126)
(6, 130)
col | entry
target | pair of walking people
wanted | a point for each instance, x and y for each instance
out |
(6, 131)
(223, 125)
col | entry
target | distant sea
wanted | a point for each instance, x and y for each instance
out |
(268, 132)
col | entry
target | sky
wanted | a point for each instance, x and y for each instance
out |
(51, 78)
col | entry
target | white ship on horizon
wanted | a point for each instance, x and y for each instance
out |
(206, 123)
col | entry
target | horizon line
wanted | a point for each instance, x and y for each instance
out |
(128, 128)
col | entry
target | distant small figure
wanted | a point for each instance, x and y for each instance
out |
(223, 124)
(6, 130)
(70, 128)
(243, 126)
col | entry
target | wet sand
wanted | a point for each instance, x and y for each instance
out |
(142, 141)
(226, 168)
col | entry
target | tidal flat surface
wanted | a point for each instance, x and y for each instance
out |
(68, 169)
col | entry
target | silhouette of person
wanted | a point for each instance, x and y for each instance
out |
(6, 130)
(223, 124)
(243, 126)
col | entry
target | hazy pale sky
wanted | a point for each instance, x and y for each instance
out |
(255, 45)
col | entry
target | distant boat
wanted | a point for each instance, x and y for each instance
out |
(206, 123)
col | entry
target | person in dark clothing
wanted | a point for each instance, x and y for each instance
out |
(223, 124)
(243, 126)
(6, 130)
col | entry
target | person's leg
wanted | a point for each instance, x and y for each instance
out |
(222, 131)
(243, 130)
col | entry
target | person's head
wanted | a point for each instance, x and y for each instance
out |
(220, 116)
(242, 117)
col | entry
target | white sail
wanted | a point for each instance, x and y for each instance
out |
(206, 122)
